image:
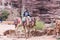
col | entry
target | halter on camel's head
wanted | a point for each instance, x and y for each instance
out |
(19, 20)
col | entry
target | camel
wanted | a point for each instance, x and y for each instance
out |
(57, 28)
(17, 22)
(28, 25)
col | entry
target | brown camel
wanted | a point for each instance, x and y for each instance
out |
(57, 28)
(28, 25)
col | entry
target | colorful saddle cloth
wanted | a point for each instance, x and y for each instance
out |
(23, 19)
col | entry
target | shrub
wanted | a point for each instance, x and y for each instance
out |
(39, 25)
(4, 15)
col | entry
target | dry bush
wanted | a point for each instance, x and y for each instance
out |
(9, 32)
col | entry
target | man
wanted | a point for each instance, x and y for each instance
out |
(26, 15)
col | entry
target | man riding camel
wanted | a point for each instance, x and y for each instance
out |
(28, 23)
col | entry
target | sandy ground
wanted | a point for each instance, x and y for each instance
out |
(32, 38)
(5, 27)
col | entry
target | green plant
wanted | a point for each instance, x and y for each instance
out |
(4, 15)
(39, 25)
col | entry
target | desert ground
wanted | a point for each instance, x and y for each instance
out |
(9, 37)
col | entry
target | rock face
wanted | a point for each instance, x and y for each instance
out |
(12, 6)
(45, 9)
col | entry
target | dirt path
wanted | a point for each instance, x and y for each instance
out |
(32, 38)
(42, 38)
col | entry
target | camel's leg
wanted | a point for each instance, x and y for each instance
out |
(9, 31)
(24, 27)
(25, 32)
(48, 31)
(16, 25)
(57, 32)
(16, 29)
(29, 33)
(54, 32)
